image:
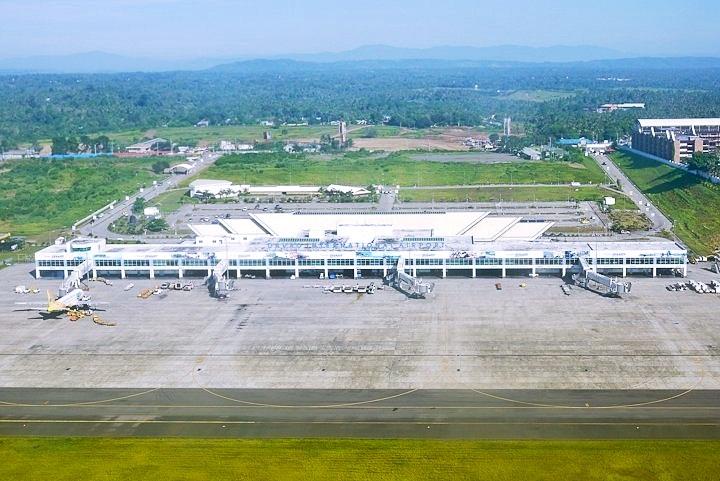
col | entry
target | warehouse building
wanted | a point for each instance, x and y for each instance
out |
(676, 140)
(439, 244)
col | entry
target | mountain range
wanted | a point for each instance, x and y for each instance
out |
(375, 56)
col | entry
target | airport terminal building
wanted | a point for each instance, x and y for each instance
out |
(433, 243)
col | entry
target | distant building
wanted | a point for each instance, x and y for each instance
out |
(343, 133)
(507, 126)
(625, 106)
(203, 123)
(152, 212)
(16, 154)
(147, 147)
(213, 188)
(267, 123)
(182, 169)
(267, 136)
(531, 154)
(676, 140)
(347, 189)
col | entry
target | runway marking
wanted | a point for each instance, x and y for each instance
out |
(230, 406)
(321, 406)
(561, 406)
(408, 423)
(83, 403)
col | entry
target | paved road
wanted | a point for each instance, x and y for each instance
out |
(99, 228)
(660, 222)
(538, 414)
(492, 186)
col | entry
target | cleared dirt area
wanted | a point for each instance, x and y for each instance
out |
(435, 139)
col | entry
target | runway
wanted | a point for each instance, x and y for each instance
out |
(470, 414)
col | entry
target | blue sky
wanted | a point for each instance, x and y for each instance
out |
(225, 28)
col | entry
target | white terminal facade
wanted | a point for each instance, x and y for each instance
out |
(366, 244)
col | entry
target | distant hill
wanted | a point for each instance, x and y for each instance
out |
(371, 56)
(626, 64)
(508, 53)
(99, 62)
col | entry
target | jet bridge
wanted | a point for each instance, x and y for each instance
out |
(407, 284)
(74, 279)
(587, 277)
(217, 283)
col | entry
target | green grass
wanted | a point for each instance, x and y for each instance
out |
(395, 169)
(171, 200)
(73, 459)
(212, 134)
(692, 205)
(40, 195)
(508, 194)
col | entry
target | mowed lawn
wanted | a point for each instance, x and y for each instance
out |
(394, 169)
(693, 205)
(42, 195)
(513, 194)
(362, 460)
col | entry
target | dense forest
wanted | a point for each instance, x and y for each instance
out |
(413, 95)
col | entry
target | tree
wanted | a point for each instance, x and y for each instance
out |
(160, 166)
(139, 205)
(157, 225)
(494, 137)
(63, 145)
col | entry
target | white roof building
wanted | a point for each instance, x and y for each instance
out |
(347, 189)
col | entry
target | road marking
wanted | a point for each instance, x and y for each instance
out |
(84, 403)
(408, 423)
(342, 407)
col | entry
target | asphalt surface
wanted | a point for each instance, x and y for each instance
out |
(474, 414)
(660, 222)
(99, 227)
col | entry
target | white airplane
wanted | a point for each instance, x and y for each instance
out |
(73, 300)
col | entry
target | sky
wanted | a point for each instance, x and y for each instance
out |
(225, 28)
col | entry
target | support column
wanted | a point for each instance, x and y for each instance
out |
(65, 273)
(297, 269)
(37, 273)
(180, 273)
(564, 271)
(654, 271)
(94, 273)
(504, 272)
(355, 273)
(624, 270)
(414, 272)
(122, 273)
(685, 270)
(444, 272)
(327, 273)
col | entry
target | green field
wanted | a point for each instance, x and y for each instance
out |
(537, 95)
(395, 169)
(213, 134)
(74, 459)
(512, 194)
(692, 205)
(38, 196)
(171, 200)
